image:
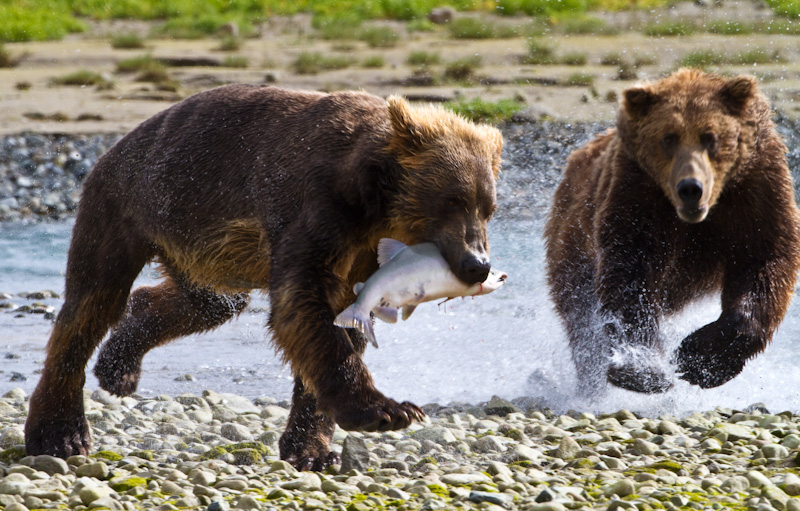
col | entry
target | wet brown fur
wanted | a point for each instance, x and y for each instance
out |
(620, 258)
(254, 187)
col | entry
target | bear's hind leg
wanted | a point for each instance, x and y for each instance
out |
(156, 316)
(101, 268)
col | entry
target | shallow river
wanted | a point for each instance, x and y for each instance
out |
(509, 343)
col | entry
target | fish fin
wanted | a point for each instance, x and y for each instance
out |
(408, 310)
(387, 314)
(349, 318)
(358, 287)
(388, 249)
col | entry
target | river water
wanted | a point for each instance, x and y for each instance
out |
(509, 343)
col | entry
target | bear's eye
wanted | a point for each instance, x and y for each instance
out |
(708, 141)
(455, 204)
(670, 141)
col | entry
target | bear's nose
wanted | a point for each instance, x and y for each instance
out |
(690, 190)
(473, 270)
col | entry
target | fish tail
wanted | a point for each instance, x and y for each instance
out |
(350, 318)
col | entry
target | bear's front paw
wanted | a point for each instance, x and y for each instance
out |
(57, 436)
(708, 359)
(648, 380)
(380, 414)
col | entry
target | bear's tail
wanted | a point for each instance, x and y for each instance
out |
(350, 318)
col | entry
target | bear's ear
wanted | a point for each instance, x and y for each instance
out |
(637, 101)
(409, 135)
(737, 92)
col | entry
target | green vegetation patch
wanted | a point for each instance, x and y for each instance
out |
(423, 58)
(580, 80)
(140, 63)
(702, 59)
(730, 27)
(672, 466)
(309, 63)
(12, 454)
(539, 53)
(462, 69)
(374, 62)
(584, 25)
(669, 29)
(37, 21)
(81, 78)
(236, 61)
(127, 42)
(128, 483)
(480, 110)
(107, 455)
(379, 37)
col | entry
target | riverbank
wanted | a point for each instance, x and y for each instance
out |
(219, 451)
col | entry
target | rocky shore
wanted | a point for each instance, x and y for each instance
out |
(219, 451)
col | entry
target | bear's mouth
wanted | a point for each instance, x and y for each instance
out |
(693, 215)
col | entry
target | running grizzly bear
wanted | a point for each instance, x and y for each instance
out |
(253, 187)
(689, 195)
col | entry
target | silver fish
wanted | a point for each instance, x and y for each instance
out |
(408, 276)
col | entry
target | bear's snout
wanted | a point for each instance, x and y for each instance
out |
(691, 185)
(690, 191)
(474, 269)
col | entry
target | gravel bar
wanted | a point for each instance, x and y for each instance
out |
(219, 451)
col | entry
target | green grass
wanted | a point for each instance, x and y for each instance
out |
(308, 63)
(463, 69)
(669, 29)
(379, 37)
(374, 61)
(479, 110)
(139, 64)
(756, 56)
(236, 61)
(778, 26)
(702, 59)
(198, 27)
(345, 26)
(471, 28)
(127, 41)
(613, 58)
(730, 28)
(25, 20)
(36, 21)
(539, 53)
(787, 8)
(584, 25)
(580, 80)
(575, 59)
(81, 78)
(229, 43)
(423, 58)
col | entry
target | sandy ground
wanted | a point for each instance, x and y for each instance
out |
(46, 108)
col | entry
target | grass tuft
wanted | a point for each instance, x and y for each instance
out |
(423, 58)
(309, 63)
(379, 37)
(127, 41)
(82, 78)
(539, 53)
(669, 29)
(463, 69)
(479, 110)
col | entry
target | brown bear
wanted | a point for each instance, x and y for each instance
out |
(689, 195)
(251, 187)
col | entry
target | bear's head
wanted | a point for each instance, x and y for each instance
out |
(446, 188)
(691, 132)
